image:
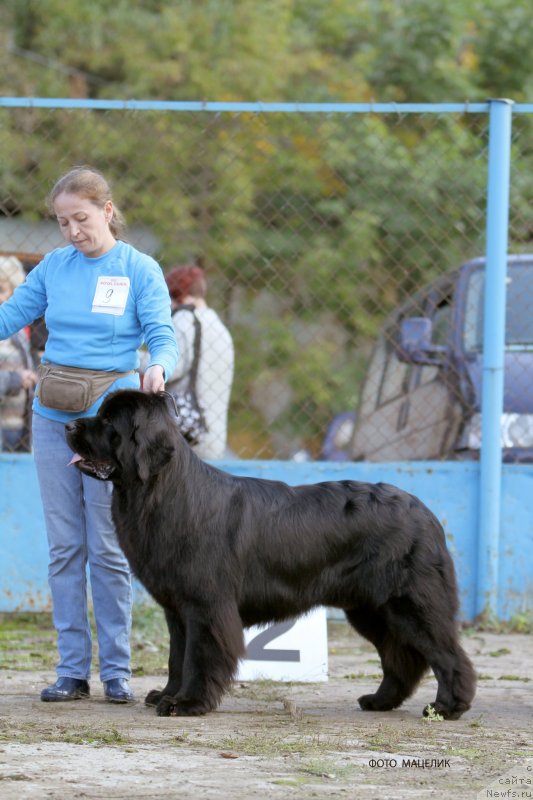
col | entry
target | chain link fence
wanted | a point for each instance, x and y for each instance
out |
(318, 233)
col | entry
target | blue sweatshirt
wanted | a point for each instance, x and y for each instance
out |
(98, 311)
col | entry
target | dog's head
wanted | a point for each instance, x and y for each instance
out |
(132, 437)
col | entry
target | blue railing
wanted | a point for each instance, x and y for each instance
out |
(500, 112)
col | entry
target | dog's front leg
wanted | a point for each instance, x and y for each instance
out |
(214, 644)
(175, 662)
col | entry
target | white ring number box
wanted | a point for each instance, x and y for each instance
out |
(295, 650)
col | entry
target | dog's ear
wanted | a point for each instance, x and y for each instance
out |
(152, 453)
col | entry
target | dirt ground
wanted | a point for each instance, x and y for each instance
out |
(278, 740)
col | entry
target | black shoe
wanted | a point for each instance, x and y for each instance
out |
(117, 690)
(65, 689)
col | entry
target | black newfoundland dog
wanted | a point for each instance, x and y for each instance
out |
(221, 552)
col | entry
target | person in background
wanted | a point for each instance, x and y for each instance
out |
(17, 375)
(101, 298)
(38, 336)
(187, 286)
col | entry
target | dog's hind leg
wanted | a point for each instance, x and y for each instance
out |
(456, 680)
(403, 666)
(175, 661)
(214, 644)
(436, 637)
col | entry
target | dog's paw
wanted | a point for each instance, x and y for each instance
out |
(438, 710)
(165, 706)
(370, 702)
(179, 710)
(367, 702)
(174, 706)
(153, 697)
(169, 706)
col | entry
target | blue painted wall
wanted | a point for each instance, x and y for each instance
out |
(451, 490)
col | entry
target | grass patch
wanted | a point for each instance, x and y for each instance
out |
(149, 640)
(358, 676)
(267, 744)
(385, 739)
(469, 753)
(430, 715)
(28, 641)
(519, 623)
(100, 738)
(30, 732)
(320, 768)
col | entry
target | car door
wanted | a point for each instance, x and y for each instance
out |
(408, 410)
(379, 427)
(432, 412)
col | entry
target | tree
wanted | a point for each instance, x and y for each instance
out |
(311, 227)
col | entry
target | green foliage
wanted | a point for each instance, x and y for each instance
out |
(301, 50)
(311, 227)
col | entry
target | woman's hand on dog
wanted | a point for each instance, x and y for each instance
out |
(154, 379)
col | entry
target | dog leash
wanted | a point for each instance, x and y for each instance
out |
(173, 401)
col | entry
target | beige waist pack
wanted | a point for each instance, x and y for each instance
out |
(72, 388)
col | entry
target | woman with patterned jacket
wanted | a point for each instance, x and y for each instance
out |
(17, 376)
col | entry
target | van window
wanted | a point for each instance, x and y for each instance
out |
(473, 330)
(519, 320)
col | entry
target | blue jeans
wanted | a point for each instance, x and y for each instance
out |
(77, 511)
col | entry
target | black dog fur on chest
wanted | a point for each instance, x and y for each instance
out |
(221, 552)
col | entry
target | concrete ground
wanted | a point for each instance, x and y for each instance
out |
(278, 740)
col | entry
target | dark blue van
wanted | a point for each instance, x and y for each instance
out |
(421, 396)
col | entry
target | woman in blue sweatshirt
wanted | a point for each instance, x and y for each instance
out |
(101, 299)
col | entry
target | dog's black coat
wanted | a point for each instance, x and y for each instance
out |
(220, 552)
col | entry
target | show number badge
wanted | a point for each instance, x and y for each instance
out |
(111, 295)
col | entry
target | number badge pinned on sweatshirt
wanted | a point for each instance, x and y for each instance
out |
(111, 295)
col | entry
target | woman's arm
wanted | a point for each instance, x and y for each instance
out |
(153, 311)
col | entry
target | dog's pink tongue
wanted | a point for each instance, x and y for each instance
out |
(75, 458)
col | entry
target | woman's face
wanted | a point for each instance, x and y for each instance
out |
(84, 225)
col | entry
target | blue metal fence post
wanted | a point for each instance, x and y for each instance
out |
(493, 356)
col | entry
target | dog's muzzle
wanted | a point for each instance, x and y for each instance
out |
(96, 469)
